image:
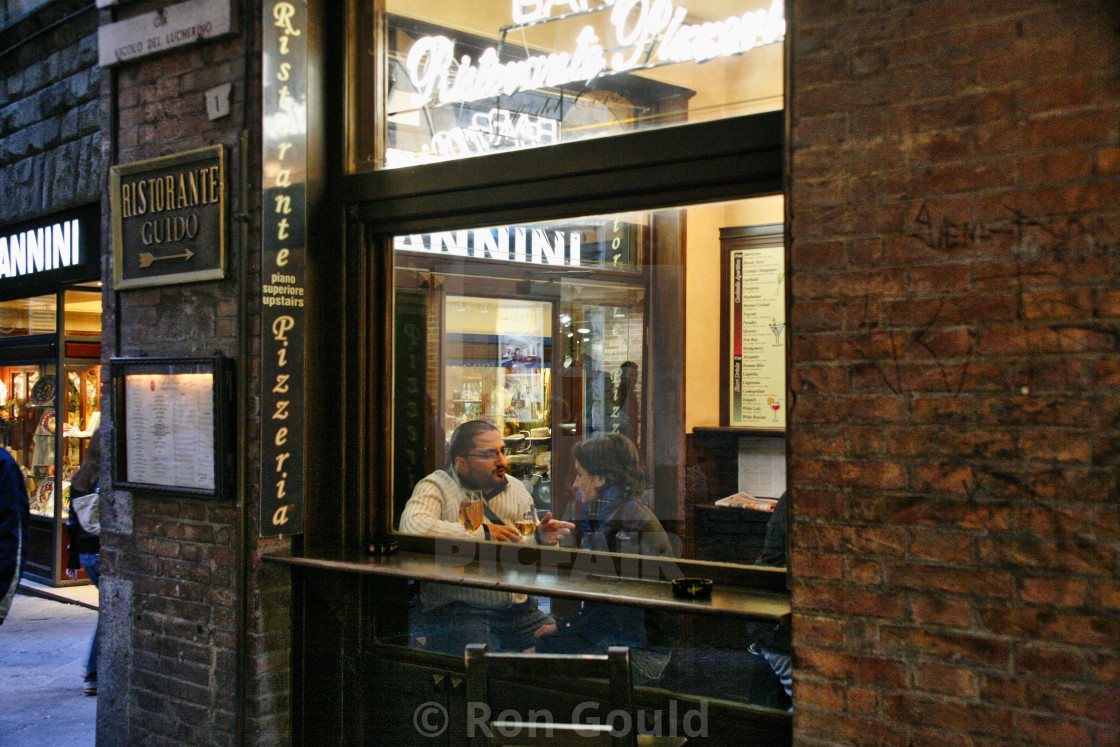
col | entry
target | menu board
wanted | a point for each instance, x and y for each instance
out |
(757, 354)
(170, 425)
(171, 429)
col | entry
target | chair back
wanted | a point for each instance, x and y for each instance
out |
(484, 666)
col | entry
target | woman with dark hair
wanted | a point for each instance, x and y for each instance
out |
(614, 518)
(84, 550)
(610, 489)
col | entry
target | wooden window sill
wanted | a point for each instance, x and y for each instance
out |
(750, 593)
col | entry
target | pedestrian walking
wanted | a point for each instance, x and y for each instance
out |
(15, 520)
(84, 550)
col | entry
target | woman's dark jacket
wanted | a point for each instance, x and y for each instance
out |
(81, 541)
(624, 525)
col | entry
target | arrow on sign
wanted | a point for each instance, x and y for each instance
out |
(146, 259)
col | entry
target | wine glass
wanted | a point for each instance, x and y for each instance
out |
(527, 524)
(471, 511)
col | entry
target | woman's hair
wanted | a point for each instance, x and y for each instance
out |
(613, 457)
(462, 440)
(86, 476)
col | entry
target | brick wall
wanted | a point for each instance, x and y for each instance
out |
(185, 599)
(955, 281)
(50, 141)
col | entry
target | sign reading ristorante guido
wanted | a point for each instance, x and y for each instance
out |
(169, 219)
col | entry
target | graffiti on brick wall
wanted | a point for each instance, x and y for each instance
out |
(943, 232)
(1030, 253)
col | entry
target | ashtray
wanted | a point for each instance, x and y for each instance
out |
(692, 588)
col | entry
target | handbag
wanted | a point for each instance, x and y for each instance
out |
(89, 515)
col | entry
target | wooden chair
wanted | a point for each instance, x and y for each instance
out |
(482, 666)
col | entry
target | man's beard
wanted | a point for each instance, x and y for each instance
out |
(487, 483)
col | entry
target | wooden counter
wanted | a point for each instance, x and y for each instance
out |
(642, 582)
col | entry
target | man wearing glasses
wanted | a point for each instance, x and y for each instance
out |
(453, 616)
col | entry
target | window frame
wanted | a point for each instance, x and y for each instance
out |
(682, 165)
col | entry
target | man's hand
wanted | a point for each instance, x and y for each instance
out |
(552, 531)
(502, 533)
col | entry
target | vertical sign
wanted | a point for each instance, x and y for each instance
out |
(284, 194)
(758, 324)
(410, 333)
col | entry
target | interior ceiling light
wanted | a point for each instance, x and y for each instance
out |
(583, 331)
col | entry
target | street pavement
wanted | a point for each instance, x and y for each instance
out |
(43, 649)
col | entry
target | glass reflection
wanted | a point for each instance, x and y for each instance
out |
(466, 78)
(555, 332)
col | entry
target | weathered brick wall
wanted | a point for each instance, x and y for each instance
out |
(185, 598)
(50, 141)
(955, 281)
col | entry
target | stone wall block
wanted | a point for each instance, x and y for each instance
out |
(34, 77)
(15, 83)
(25, 113)
(89, 116)
(81, 87)
(69, 128)
(7, 194)
(65, 179)
(45, 135)
(87, 51)
(90, 172)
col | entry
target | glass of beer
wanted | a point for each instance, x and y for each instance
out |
(471, 512)
(527, 524)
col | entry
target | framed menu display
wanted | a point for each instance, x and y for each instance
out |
(753, 329)
(172, 419)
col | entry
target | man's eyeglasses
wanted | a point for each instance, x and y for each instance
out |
(489, 453)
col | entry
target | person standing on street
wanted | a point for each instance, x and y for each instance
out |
(85, 548)
(15, 520)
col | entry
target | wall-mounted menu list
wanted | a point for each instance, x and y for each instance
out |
(758, 327)
(169, 428)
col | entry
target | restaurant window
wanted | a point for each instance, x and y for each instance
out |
(557, 331)
(562, 306)
(468, 78)
(554, 334)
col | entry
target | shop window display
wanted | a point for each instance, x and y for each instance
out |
(50, 389)
(30, 425)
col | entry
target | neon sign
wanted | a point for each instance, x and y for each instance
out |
(40, 249)
(534, 245)
(496, 129)
(649, 33)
